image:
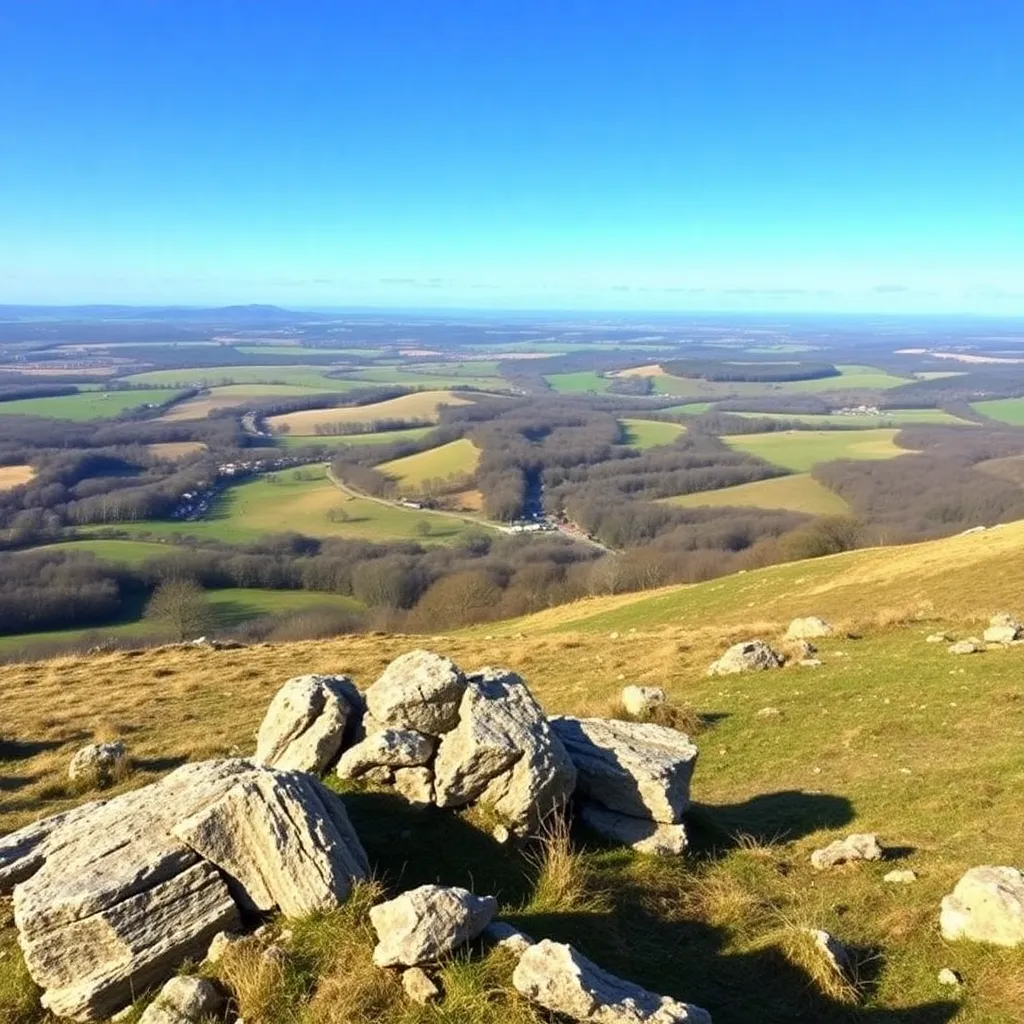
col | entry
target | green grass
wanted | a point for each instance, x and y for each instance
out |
(455, 458)
(688, 409)
(336, 441)
(851, 377)
(445, 375)
(799, 492)
(885, 418)
(304, 501)
(650, 433)
(119, 552)
(301, 351)
(87, 405)
(213, 376)
(801, 450)
(1005, 410)
(578, 383)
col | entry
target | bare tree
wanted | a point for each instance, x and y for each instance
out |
(180, 606)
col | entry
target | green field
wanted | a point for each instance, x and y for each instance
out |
(304, 501)
(444, 375)
(885, 418)
(1005, 410)
(801, 450)
(301, 351)
(577, 383)
(851, 376)
(688, 409)
(455, 458)
(337, 440)
(799, 492)
(229, 607)
(213, 376)
(650, 433)
(88, 405)
(120, 552)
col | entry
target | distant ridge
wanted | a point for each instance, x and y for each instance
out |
(254, 313)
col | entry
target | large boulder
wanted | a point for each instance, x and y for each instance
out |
(748, 656)
(305, 724)
(503, 753)
(561, 980)
(424, 924)
(184, 1000)
(388, 748)
(419, 691)
(635, 768)
(111, 898)
(644, 836)
(809, 628)
(99, 763)
(986, 905)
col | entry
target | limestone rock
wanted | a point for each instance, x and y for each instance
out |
(183, 1000)
(1003, 628)
(644, 836)
(419, 691)
(635, 768)
(220, 944)
(859, 846)
(748, 656)
(561, 980)
(503, 753)
(99, 762)
(835, 953)
(419, 986)
(947, 976)
(388, 748)
(965, 647)
(641, 700)
(506, 936)
(424, 924)
(900, 876)
(810, 628)
(305, 724)
(986, 905)
(415, 784)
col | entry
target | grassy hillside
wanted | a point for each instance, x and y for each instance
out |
(231, 396)
(650, 433)
(799, 492)
(1006, 410)
(575, 383)
(213, 376)
(890, 734)
(453, 459)
(886, 418)
(420, 405)
(801, 450)
(332, 440)
(87, 405)
(15, 476)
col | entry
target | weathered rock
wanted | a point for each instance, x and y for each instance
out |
(748, 656)
(641, 700)
(834, 952)
(1003, 628)
(419, 691)
(424, 924)
(304, 727)
(986, 905)
(636, 768)
(810, 628)
(99, 762)
(643, 835)
(503, 753)
(965, 647)
(947, 976)
(113, 897)
(220, 944)
(563, 981)
(183, 1000)
(415, 784)
(506, 936)
(859, 846)
(388, 748)
(900, 876)
(419, 986)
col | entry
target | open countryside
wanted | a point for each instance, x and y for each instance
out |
(455, 459)
(799, 492)
(420, 405)
(650, 433)
(89, 405)
(801, 450)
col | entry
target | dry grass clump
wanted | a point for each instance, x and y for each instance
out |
(681, 717)
(564, 882)
(799, 947)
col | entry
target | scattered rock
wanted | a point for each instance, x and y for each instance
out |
(859, 846)
(100, 763)
(183, 1000)
(635, 768)
(938, 638)
(965, 647)
(220, 944)
(901, 876)
(748, 656)
(1003, 628)
(947, 976)
(419, 691)
(501, 933)
(115, 895)
(561, 980)
(810, 663)
(641, 700)
(810, 628)
(424, 924)
(986, 905)
(305, 723)
(419, 986)
(835, 953)
(769, 712)
(389, 748)
(644, 836)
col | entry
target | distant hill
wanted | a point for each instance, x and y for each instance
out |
(254, 314)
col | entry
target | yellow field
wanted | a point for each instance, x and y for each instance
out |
(651, 370)
(453, 459)
(797, 493)
(801, 450)
(15, 476)
(172, 451)
(421, 405)
(229, 396)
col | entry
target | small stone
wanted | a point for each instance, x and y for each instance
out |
(501, 933)
(987, 905)
(416, 785)
(810, 662)
(901, 876)
(938, 638)
(750, 655)
(183, 1001)
(769, 712)
(859, 846)
(419, 986)
(965, 647)
(220, 944)
(99, 762)
(501, 834)
(641, 700)
(835, 953)
(947, 976)
(810, 628)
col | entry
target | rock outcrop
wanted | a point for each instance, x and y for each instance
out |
(986, 905)
(561, 980)
(859, 846)
(305, 724)
(809, 628)
(99, 763)
(112, 897)
(748, 656)
(424, 924)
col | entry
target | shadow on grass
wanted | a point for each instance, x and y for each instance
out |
(20, 750)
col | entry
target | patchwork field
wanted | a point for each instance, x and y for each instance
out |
(455, 458)
(214, 376)
(173, 451)
(420, 405)
(801, 450)
(15, 476)
(885, 418)
(650, 433)
(88, 405)
(1006, 410)
(230, 396)
(799, 492)
(336, 441)
(574, 383)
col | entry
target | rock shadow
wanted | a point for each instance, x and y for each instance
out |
(19, 750)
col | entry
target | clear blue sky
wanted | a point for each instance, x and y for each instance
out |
(749, 154)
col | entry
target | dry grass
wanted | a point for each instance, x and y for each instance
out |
(564, 882)
(420, 405)
(173, 451)
(15, 476)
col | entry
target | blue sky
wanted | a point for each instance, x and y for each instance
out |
(793, 154)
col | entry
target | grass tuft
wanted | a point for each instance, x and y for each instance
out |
(564, 881)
